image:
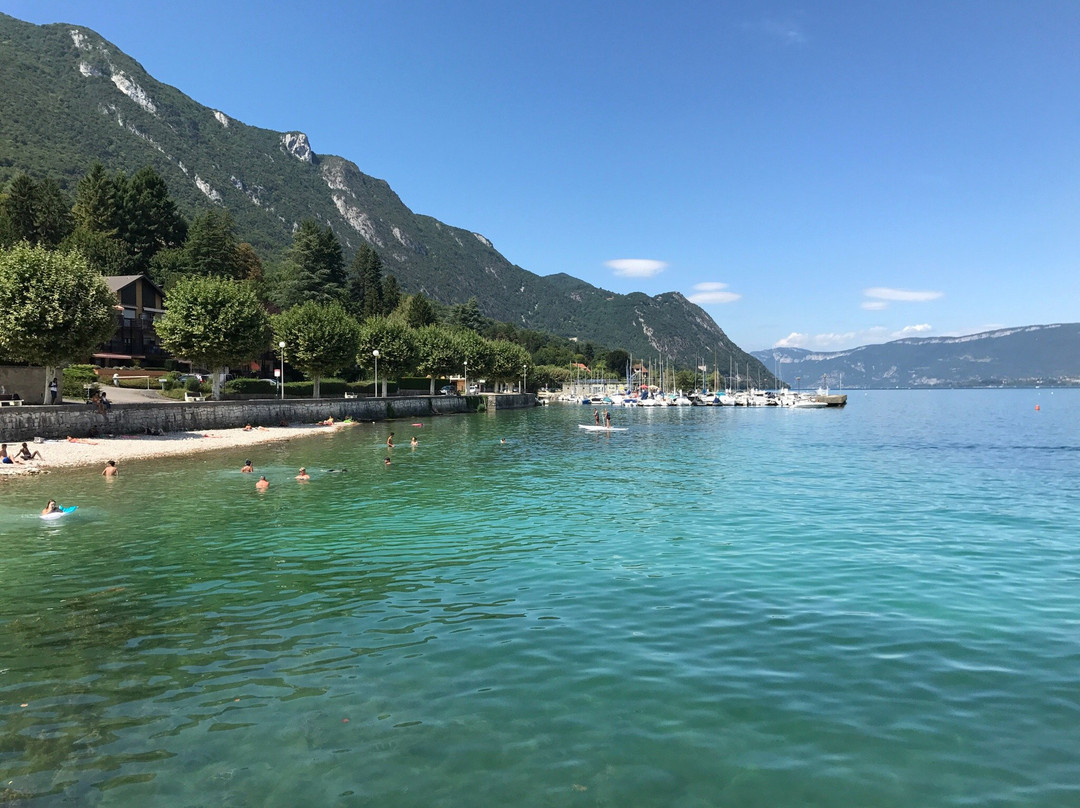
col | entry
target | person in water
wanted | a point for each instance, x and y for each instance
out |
(390, 441)
(607, 419)
(386, 463)
(248, 468)
(414, 442)
(262, 484)
(110, 469)
(303, 475)
(52, 507)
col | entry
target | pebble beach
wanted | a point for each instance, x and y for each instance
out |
(76, 452)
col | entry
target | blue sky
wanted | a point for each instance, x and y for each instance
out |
(823, 175)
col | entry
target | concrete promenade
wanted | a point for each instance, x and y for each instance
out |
(80, 420)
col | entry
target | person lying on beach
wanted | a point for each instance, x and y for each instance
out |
(262, 484)
(26, 454)
(52, 507)
(328, 422)
(303, 475)
(248, 468)
(110, 469)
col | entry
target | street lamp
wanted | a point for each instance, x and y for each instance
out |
(524, 379)
(282, 382)
(465, 392)
(375, 353)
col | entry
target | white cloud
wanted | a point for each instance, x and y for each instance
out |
(637, 267)
(875, 305)
(785, 30)
(847, 340)
(901, 295)
(712, 292)
(912, 330)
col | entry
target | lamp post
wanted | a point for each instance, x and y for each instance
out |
(524, 379)
(281, 384)
(375, 353)
(465, 392)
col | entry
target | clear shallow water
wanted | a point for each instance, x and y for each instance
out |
(876, 606)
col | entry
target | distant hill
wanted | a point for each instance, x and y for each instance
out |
(1046, 355)
(70, 98)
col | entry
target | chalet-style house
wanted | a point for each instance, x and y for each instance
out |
(140, 302)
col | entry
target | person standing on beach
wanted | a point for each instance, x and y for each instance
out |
(110, 469)
(54, 390)
(262, 484)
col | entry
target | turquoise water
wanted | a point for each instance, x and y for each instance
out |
(875, 606)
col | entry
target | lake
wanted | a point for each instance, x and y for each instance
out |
(870, 606)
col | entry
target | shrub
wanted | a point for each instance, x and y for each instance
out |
(248, 386)
(75, 377)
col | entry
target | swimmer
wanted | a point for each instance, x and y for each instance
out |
(262, 484)
(336, 471)
(110, 469)
(386, 463)
(390, 442)
(52, 507)
(303, 475)
(248, 468)
(414, 442)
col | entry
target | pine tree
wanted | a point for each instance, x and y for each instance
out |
(391, 295)
(96, 209)
(318, 265)
(150, 221)
(211, 247)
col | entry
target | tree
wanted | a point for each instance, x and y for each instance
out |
(391, 295)
(106, 254)
(477, 352)
(318, 264)
(53, 307)
(507, 360)
(18, 207)
(396, 344)
(549, 375)
(616, 361)
(52, 213)
(149, 219)
(365, 286)
(211, 247)
(214, 322)
(439, 352)
(321, 338)
(96, 208)
(418, 311)
(467, 315)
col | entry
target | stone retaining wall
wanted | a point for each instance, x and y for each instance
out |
(19, 424)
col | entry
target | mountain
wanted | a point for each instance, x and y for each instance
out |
(1013, 357)
(71, 97)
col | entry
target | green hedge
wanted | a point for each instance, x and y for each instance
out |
(74, 379)
(248, 386)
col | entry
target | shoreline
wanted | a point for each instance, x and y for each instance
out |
(82, 452)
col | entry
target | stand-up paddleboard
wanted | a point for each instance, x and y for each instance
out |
(594, 428)
(64, 511)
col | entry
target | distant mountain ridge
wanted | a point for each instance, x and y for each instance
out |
(71, 97)
(1031, 355)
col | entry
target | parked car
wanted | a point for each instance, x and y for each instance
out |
(448, 390)
(272, 382)
(184, 378)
